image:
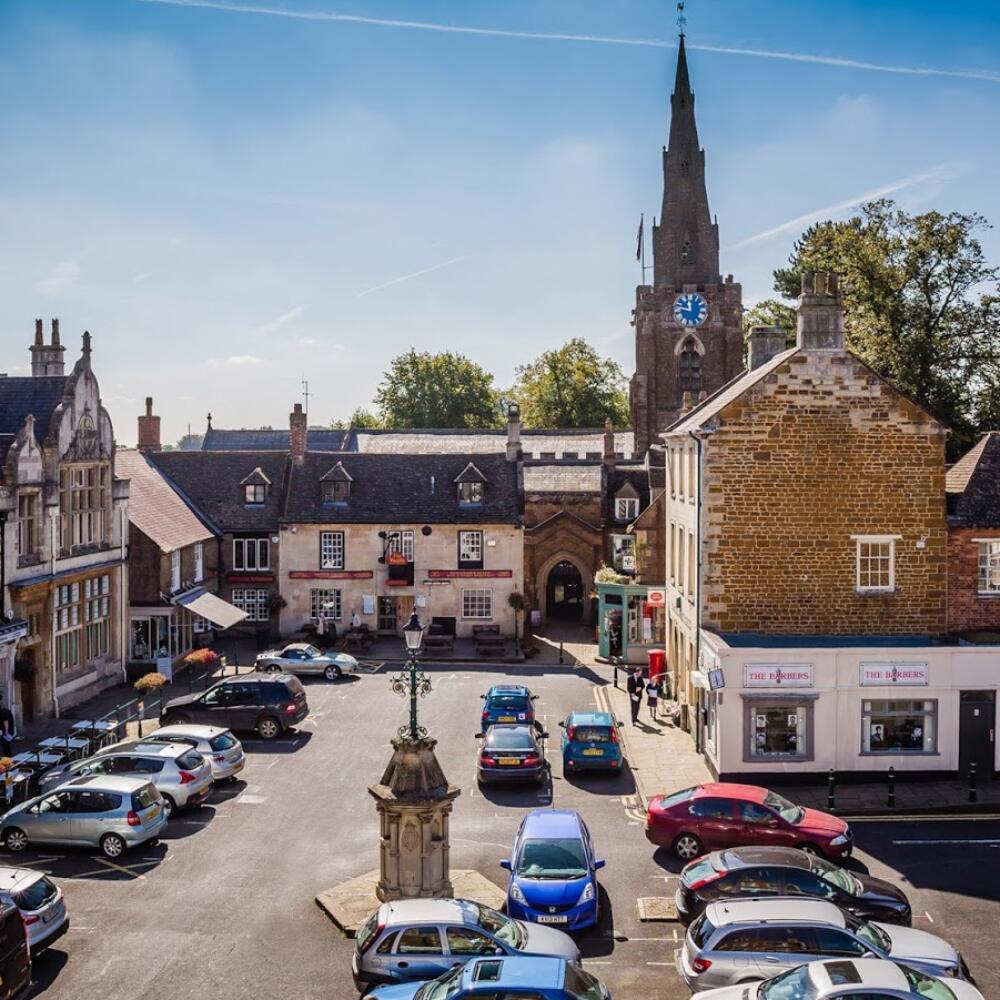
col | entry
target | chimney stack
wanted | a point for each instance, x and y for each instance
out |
(47, 359)
(609, 445)
(821, 313)
(298, 428)
(765, 343)
(513, 432)
(149, 429)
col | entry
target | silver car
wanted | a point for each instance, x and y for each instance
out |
(746, 940)
(305, 660)
(218, 746)
(181, 774)
(41, 903)
(413, 939)
(103, 811)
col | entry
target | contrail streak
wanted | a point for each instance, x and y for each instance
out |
(796, 224)
(407, 277)
(991, 76)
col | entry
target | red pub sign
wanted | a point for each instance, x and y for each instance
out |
(469, 574)
(331, 574)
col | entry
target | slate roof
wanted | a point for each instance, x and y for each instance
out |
(268, 439)
(402, 489)
(562, 477)
(973, 485)
(574, 443)
(210, 481)
(153, 505)
(25, 395)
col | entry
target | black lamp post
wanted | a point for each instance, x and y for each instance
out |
(412, 684)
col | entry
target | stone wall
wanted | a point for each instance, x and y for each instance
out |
(819, 451)
(967, 608)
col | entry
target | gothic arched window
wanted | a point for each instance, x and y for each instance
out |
(689, 368)
(686, 252)
(685, 168)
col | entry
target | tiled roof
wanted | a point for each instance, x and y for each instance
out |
(402, 489)
(210, 481)
(973, 485)
(564, 477)
(534, 443)
(153, 505)
(268, 439)
(21, 396)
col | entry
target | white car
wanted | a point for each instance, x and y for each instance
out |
(40, 900)
(217, 745)
(849, 978)
(303, 659)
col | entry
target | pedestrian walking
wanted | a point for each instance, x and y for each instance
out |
(652, 696)
(6, 729)
(634, 688)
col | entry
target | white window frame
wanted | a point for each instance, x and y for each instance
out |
(199, 561)
(254, 601)
(861, 540)
(259, 546)
(320, 596)
(470, 548)
(175, 570)
(888, 708)
(331, 550)
(623, 552)
(626, 508)
(255, 494)
(402, 542)
(989, 552)
(477, 604)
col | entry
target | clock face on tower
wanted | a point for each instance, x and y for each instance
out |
(690, 309)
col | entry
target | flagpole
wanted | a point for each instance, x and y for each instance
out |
(642, 245)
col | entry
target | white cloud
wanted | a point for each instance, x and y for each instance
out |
(138, 279)
(244, 359)
(408, 277)
(317, 342)
(61, 278)
(273, 325)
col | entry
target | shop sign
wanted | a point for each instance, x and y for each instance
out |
(777, 675)
(469, 574)
(894, 674)
(716, 679)
(656, 598)
(330, 574)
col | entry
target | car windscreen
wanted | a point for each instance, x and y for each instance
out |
(924, 986)
(591, 734)
(509, 739)
(871, 934)
(145, 797)
(698, 871)
(796, 984)
(224, 741)
(441, 989)
(36, 895)
(581, 985)
(677, 797)
(562, 857)
(294, 686)
(514, 702)
(190, 760)
(835, 876)
(502, 926)
(789, 812)
(701, 930)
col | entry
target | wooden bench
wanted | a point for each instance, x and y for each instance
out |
(488, 640)
(441, 642)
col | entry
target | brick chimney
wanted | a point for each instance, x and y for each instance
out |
(47, 359)
(821, 313)
(149, 429)
(609, 445)
(765, 343)
(513, 432)
(298, 428)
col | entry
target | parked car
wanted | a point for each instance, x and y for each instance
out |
(553, 870)
(507, 703)
(852, 979)
(41, 902)
(590, 742)
(303, 659)
(414, 939)
(719, 815)
(496, 978)
(784, 871)
(217, 745)
(749, 939)
(265, 703)
(113, 813)
(181, 775)
(15, 954)
(511, 753)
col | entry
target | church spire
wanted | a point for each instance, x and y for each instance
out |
(686, 242)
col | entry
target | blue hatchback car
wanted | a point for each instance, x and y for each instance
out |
(507, 703)
(590, 742)
(537, 978)
(553, 871)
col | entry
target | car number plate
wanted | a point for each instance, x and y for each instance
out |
(593, 753)
(509, 760)
(506, 718)
(551, 920)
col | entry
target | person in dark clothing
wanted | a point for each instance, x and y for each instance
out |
(6, 730)
(634, 687)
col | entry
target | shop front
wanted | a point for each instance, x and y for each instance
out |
(632, 619)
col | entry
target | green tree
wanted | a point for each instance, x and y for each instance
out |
(437, 390)
(769, 312)
(921, 305)
(571, 386)
(359, 418)
(190, 442)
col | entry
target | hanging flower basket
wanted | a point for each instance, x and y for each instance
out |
(149, 682)
(202, 658)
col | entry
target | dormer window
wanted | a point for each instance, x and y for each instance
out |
(626, 508)
(335, 485)
(471, 485)
(255, 488)
(470, 493)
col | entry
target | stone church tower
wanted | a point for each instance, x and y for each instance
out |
(688, 323)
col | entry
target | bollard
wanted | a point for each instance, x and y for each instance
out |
(831, 792)
(973, 793)
(560, 651)
(891, 801)
(614, 663)
(118, 722)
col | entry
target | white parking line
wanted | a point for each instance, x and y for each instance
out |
(974, 840)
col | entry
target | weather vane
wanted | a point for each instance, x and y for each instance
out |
(681, 19)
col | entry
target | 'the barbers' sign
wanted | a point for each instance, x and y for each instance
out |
(894, 674)
(777, 675)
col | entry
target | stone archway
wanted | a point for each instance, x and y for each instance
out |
(542, 580)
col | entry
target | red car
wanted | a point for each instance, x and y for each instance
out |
(719, 815)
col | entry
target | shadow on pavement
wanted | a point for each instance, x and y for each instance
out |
(519, 796)
(598, 941)
(291, 742)
(76, 863)
(667, 860)
(45, 968)
(603, 782)
(187, 822)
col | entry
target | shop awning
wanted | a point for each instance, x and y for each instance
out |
(215, 609)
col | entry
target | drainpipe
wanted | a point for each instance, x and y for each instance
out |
(697, 586)
(53, 539)
(124, 612)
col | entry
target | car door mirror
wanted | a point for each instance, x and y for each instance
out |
(482, 697)
(620, 725)
(562, 725)
(505, 863)
(534, 697)
(599, 863)
(479, 736)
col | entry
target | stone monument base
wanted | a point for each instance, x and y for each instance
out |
(351, 903)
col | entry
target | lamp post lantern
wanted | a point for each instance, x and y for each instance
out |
(413, 683)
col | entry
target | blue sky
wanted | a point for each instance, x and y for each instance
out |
(232, 201)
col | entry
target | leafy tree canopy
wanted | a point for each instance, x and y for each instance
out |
(571, 386)
(437, 390)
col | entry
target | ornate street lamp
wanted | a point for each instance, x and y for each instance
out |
(412, 684)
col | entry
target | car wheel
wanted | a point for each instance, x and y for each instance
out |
(15, 840)
(112, 845)
(811, 849)
(269, 728)
(273, 668)
(332, 673)
(169, 806)
(687, 847)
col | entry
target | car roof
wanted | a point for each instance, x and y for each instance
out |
(730, 790)
(590, 719)
(507, 689)
(153, 749)
(106, 782)
(511, 727)
(796, 910)
(733, 858)
(408, 911)
(191, 729)
(298, 645)
(13, 879)
(525, 971)
(255, 675)
(552, 823)
(870, 972)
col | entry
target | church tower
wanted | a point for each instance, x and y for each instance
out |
(688, 323)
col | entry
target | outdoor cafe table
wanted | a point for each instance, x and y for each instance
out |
(15, 786)
(97, 730)
(71, 746)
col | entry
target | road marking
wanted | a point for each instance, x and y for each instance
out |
(251, 800)
(124, 869)
(974, 840)
(931, 818)
(928, 916)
